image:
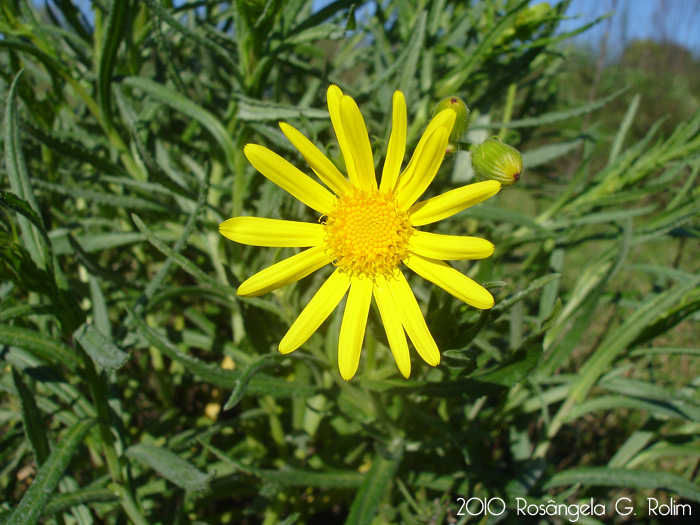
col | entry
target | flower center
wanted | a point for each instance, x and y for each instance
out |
(367, 233)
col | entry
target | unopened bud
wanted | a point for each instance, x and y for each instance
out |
(462, 120)
(494, 160)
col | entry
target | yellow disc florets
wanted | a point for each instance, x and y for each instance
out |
(367, 233)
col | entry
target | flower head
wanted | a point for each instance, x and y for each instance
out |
(367, 231)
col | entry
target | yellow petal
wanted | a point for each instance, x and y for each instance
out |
(334, 95)
(258, 231)
(284, 272)
(318, 162)
(454, 201)
(452, 281)
(449, 247)
(358, 142)
(352, 330)
(412, 319)
(319, 308)
(421, 173)
(444, 119)
(397, 144)
(392, 324)
(289, 178)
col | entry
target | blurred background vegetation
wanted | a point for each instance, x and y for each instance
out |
(137, 388)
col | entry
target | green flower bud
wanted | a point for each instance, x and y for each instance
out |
(494, 160)
(462, 120)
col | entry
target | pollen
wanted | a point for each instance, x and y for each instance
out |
(367, 233)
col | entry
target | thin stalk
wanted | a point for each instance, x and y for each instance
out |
(129, 505)
(100, 402)
(508, 110)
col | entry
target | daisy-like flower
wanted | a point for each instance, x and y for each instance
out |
(367, 231)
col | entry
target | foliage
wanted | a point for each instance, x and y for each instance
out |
(664, 74)
(136, 386)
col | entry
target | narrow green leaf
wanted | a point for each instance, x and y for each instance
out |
(641, 389)
(250, 109)
(377, 480)
(665, 350)
(69, 500)
(550, 291)
(12, 201)
(685, 191)
(159, 179)
(618, 340)
(100, 348)
(517, 367)
(623, 478)
(608, 217)
(550, 118)
(503, 215)
(533, 286)
(116, 22)
(243, 380)
(656, 409)
(24, 310)
(34, 426)
(452, 84)
(208, 372)
(19, 179)
(411, 55)
(549, 152)
(71, 14)
(100, 310)
(662, 450)
(181, 103)
(669, 319)
(105, 198)
(157, 281)
(55, 69)
(614, 344)
(624, 128)
(97, 242)
(91, 265)
(39, 493)
(469, 388)
(583, 303)
(320, 32)
(70, 147)
(294, 477)
(259, 384)
(216, 49)
(169, 465)
(39, 344)
(264, 385)
(180, 259)
(634, 444)
(54, 382)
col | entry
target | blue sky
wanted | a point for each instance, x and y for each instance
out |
(677, 21)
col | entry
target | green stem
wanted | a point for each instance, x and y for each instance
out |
(102, 409)
(276, 429)
(121, 483)
(508, 110)
(129, 505)
(383, 417)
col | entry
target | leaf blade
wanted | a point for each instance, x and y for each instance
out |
(29, 509)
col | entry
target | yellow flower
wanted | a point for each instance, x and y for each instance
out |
(366, 231)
